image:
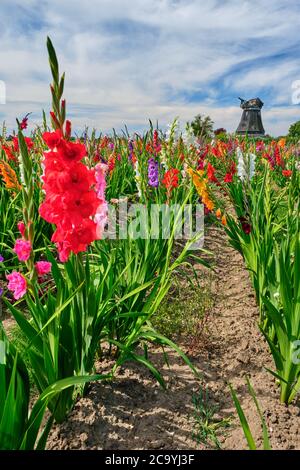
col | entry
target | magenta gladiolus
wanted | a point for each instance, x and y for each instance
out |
(17, 284)
(102, 210)
(24, 122)
(23, 249)
(43, 267)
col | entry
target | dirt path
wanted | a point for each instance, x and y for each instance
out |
(238, 348)
(133, 412)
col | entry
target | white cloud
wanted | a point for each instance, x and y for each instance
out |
(130, 60)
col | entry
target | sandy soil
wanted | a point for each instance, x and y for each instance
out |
(133, 412)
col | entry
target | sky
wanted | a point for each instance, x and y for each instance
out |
(128, 61)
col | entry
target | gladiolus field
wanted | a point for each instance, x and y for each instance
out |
(149, 288)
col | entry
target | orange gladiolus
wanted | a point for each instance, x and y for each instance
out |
(218, 213)
(208, 202)
(281, 143)
(9, 176)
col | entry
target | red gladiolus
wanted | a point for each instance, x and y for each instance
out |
(54, 119)
(202, 154)
(200, 166)
(68, 129)
(287, 173)
(156, 144)
(28, 141)
(232, 169)
(211, 173)
(170, 180)
(52, 139)
(76, 239)
(260, 146)
(9, 153)
(246, 227)
(71, 151)
(271, 159)
(71, 200)
(216, 152)
(277, 157)
(207, 211)
(59, 175)
(24, 124)
(228, 178)
(21, 228)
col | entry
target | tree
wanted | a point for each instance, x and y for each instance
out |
(294, 131)
(202, 127)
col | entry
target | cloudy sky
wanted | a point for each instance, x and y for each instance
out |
(130, 60)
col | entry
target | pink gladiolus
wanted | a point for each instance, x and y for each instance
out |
(17, 284)
(102, 210)
(64, 251)
(101, 219)
(23, 249)
(101, 170)
(43, 267)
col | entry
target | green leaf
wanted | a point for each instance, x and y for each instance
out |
(63, 384)
(53, 61)
(61, 308)
(30, 332)
(153, 335)
(243, 420)
(267, 445)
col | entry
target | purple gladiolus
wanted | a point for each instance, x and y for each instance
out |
(130, 147)
(153, 173)
(1, 259)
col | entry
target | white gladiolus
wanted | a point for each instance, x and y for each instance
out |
(173, 131)
(241, 164)
(163, 158)
(188, 137)
(252, 158)
(138, 179)
(246, 164)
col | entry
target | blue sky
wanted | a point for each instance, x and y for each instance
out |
(128, 61)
